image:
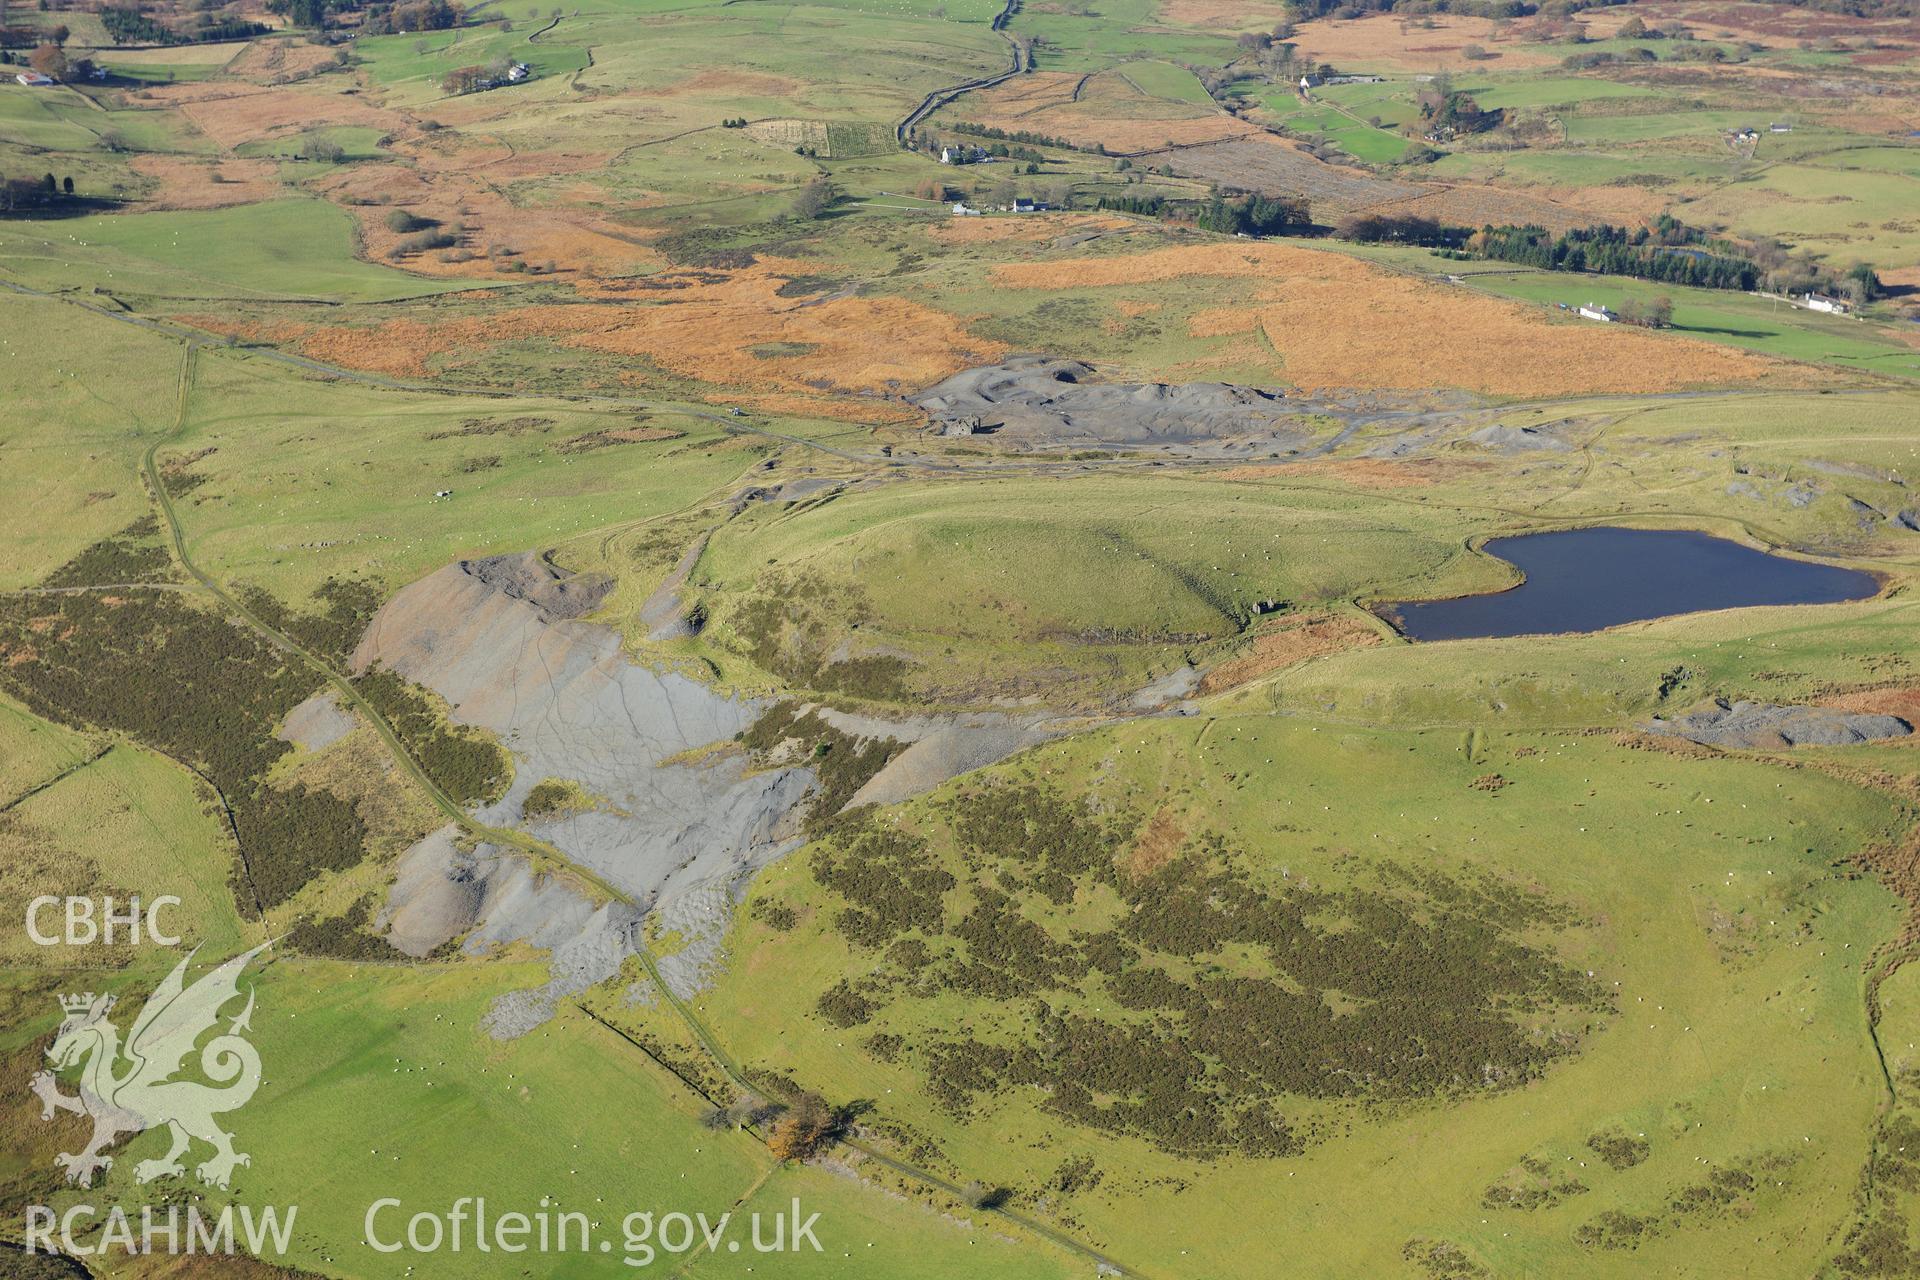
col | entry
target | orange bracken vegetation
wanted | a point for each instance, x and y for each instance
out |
(1776, 26)
(730, 327)
(1388, 42)
(1024, 229)
(1158, 843)
(1292, 642)
(1361, 473)
(191, 182)
(232, 114)
(1339, 322)
(1229, 15)
(1899, 701)
(459, 198)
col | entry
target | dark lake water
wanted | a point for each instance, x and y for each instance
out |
(1589, 579)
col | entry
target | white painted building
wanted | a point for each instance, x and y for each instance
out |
(1594, 311)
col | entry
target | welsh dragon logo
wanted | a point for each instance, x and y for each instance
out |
(131, 1088)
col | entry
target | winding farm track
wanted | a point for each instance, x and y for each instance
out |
(941, 97)
(541, 853)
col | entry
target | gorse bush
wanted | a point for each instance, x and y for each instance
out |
(1408, 985)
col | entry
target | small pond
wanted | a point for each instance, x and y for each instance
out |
(1589, 579)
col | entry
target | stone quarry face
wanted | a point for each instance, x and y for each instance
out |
(1039, 402)
(568, 703)
(500, 641)
(1759, 725)
(499, 644)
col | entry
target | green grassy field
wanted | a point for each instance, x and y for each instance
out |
(940, 574)
(1766, 325)
(64, 120)
(865, 1232)
(1827, 205)
(378, 1083)
(1756, 324)
(149, 832)
(1379, 959)
(1726, 922)
(45, 120)
(1164, 80)
(36, 752)
(1548, 91)
(98, 381)
(284, 502)
(298, 248)
(1348, 125)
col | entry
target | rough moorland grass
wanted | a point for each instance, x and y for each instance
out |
(378, 1082)
(85, 395)
(1141, 568)
(311, 479)
(1775, 655)
(415, 64)
(355, 143)
(1701, 129)
(1712, 915)
(145, 828)
(1894, 1201)
(1094, 39)
(34, 751)
(884, 1234)
(1547, 91)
